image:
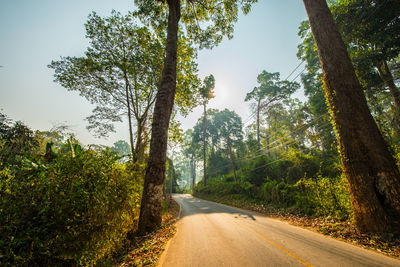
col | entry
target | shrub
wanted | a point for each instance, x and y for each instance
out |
(280, 194)
(72, 210)
(324, 197)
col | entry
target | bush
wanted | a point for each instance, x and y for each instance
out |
(324, 197)
(279, 194)
(256, 171)
(317, 197)
(74, 209)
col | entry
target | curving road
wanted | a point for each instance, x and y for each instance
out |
(211, 234)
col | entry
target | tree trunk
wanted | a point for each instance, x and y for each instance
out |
(373, 176)
(130, 121)
(205, 145)
(150, 209)
(193, 170)
(140, 143)
(232, 159)
(387, 78)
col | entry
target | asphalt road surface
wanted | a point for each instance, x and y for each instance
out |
(211, 234)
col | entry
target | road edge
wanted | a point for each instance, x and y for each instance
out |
(161, 260)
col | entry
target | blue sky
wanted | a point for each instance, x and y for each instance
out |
(35, 32)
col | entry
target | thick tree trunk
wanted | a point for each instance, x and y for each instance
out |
(205, 145)
(387, 78)
(150, 210)
(371, 171)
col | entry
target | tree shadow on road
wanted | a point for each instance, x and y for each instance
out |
(191, 206)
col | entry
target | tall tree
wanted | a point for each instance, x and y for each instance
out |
(189, 150)
(317, 107)
(373, 176)
(219, 18)
(206, 93)
(270, 90)
(120, 73)
(229, 126)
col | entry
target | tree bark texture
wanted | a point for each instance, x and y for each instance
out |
(205, 145)
(371, 171)
(150, 209)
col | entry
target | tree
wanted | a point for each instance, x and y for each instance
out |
(373, 176)
(206, 93)
(376, 44)
(224, 135)
(220, 18)
(230, 134)
(121, 147)
(270, 90)
(189, 150)
(317, 108)
(120, 73)
(370, 32)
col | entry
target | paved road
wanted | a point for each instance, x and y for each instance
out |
(211, 234)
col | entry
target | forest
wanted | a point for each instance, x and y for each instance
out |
(334, 154)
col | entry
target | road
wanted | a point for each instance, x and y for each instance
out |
(211, 234)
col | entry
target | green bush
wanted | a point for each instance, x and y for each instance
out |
(279, 194)
(256, 171)
(316, 197)
(71, 210)
(324, 197)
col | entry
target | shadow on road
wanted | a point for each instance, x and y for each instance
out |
(192, 206)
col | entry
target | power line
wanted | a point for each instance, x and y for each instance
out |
(298, 74)
(294, 70)
(254, 112)
(279, 145)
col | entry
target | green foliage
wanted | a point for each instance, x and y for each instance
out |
(207, 89)
(371, 33)
(16, 141)
(206, 22)
(256, 170)
(122, 148)
(324, 197)
(227, 187)
(73, 208)
(121, 71)
(319, 197)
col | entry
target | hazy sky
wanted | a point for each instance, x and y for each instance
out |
(35, 32)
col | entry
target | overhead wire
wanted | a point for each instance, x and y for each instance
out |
(263, 151)
(306, 125)
(291, 73)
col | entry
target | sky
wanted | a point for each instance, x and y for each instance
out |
(35, 32)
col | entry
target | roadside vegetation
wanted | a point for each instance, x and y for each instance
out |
(62, 203)
(328, 161)
(65, 204)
